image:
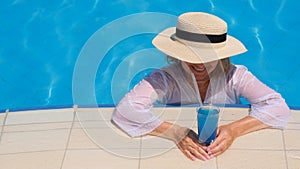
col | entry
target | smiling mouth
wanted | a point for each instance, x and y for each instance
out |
(197, 69)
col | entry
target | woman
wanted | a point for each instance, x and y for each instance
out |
(201, 73)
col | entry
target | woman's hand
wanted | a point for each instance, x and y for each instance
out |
(191, 148)
(185, 139)
(225, 137)
(228, 133)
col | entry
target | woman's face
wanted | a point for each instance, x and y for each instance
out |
(201, 70)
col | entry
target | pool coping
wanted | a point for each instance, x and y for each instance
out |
(113, 105)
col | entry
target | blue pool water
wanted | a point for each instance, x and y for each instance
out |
(64, 52)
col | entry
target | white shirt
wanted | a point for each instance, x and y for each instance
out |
(134, 112)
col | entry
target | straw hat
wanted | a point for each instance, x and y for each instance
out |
(198, 38)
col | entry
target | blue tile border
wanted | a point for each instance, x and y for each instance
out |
(112, 105)
(294, 107)
(95, 106)
(37, 108)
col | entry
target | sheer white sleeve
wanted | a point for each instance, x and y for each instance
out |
(134, 112)
(267, 105)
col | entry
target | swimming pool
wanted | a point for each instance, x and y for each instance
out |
(61, 52)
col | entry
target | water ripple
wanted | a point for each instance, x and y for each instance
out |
(25, 43)
(278, 24)
(212, 5)
(63, 2)
(34, 16)
(53, 80)
(252, 5)
(94, 6)
(16, 2)
(257, 36)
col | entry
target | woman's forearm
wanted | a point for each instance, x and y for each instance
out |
(170, 131)
(229, 132)
(246, 125)
(175, 132)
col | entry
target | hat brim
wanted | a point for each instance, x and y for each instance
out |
(201, 53)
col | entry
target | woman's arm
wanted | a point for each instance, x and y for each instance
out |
(134, 112)
(133, 115)
(268, 109)
(267, 105)
(228, 133)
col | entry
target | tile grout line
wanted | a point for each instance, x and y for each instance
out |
(61, 128)
(217, 164)
(140, 153)
(74, 149)
(28, 152)
(79, 149)
(284, 149)
(48, 122)
(3, 124)
(69, 137)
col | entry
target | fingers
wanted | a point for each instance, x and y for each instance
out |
(217, 149)
(189, 155)
(194, 153)
(218, 131)
(190, 146)
(199, 153)
(221, 144)
(214, 144)
(192, 149)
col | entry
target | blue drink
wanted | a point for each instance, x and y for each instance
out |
(208, 117)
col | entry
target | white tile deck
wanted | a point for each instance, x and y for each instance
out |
(174, 159)
(22, 142)
(237, 159)
(97, 159)
(33, 160)
(56, 139)
(2, 117)
(40, 116)
(293, 159)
